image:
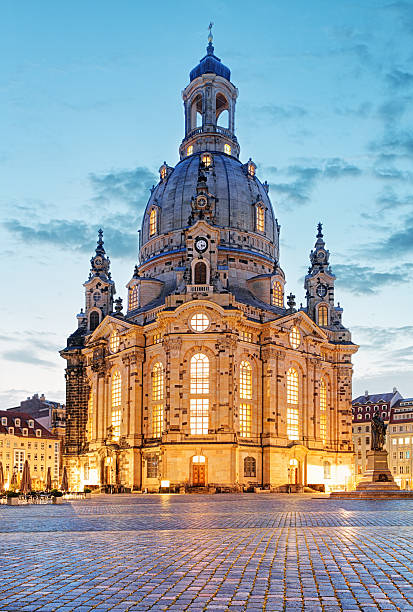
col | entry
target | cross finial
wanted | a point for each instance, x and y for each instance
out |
(319, 229)
(210, 37)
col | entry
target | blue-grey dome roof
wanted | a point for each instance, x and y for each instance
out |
(228, 181)
(210, 63)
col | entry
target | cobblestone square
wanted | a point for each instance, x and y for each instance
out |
(208, 552)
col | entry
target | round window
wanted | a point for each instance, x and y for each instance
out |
(295, 337)
(199, 322)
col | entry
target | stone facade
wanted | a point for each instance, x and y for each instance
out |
(209, 379)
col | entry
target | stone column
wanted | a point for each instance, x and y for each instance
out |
(270, 400)
(224, 415)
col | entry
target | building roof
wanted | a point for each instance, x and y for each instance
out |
(210, 63)
(373, 399)
(24, 424)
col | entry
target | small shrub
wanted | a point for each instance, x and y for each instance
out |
(56, 493)
(12, 494)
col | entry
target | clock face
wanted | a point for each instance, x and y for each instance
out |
(201, 245)
(321, 291)
(202, 202)
(320, 255)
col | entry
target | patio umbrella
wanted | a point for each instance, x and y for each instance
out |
(1, 478)
(65, 485)
(49, 480)
(26, 483)
(13, 482)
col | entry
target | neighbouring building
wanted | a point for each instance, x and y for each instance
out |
(211, 376)
(400, 442)
(51, 415)
(21, 438)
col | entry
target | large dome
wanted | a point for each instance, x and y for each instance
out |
(228, 180)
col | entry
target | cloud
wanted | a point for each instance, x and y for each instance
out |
(128, 186)
(395, 142)
(397, 79)
(388, 199)
(398, 243)
(365, 280)
(299, 190)
(363, 110)
(281, 113)
(25, 356)
(381, 336)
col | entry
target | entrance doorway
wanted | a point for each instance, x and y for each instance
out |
(198, 471)
(294, 471)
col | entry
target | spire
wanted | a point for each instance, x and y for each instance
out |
(319, 256)
(100, 264)
(99, 247)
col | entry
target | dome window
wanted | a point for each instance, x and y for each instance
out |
(227, 149)
(199, 322)
(260, 218)
(277, 296)
(295, 337)
(190, 150)
(251, 167)
(133, 297)
(206, 160)
(153, 222)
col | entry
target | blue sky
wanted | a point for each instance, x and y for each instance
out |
(90, 106)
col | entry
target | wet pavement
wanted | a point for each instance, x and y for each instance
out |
(207, 552)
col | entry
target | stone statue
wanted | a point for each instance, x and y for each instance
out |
(378, 432)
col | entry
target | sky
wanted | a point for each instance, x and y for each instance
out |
(90, 107)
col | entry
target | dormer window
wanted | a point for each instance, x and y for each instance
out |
(17, 422)
(31, 423)
(260, 218)
(25, 431)
(11, 431)
(227, 149)
(277, 296)
(38, 433)
(206, 159)
(190, 150)
(4, 420)
(251, 167)
(153, 222)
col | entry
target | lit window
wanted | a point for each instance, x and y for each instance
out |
(277, 297)
(251, 169)
(152, 222)
(292, 404)
(114, 341)
(190, 150)
(17, 422)
(163, 172)
(246, 336)
(323, 411)
(133, 297)
(227, 149)
(199, 322)
(323, 315)
(19, 460)
(250, 469)
(245, 380)
(260, 218)
(206, 160)
(245, 420)
(116, 405)
(295, 337)
(199, 385)
(157, 338)
(157, 398)
(198, 459)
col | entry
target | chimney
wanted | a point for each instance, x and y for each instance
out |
(366, 394)
(394, 390)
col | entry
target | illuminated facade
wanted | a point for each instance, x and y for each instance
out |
(211, 377)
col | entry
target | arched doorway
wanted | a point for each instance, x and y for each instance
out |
(198, 471)
(293, 470)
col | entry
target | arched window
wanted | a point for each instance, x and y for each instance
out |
(116, 405)
(199, 387)
(153, 222)
(206, 160)
(190, 150)
(245, 393)
(323, 315)
(323, 410)
(93, 320)
(250, 467)
(222, 110)
(200, 273)
(114, 342)
(277, 297)
(133, 297)
(260, 218)
(157, 399)
(227, 149)
(292, 404)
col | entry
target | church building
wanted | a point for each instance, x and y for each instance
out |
(209, 376)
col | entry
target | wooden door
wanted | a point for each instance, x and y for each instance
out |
(198, 475)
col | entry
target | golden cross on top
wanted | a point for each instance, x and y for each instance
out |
(210, 31)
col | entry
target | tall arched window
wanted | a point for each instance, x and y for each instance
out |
(292, 404)
(133, 297)
(199, 390)
(277, 297)
(93, 320)
(245, 393)
(114, 342)
(322, 315)
(323, 410)
(260, 218)
(153, 222)
(157, 399)
(200, 273)
(116, 405)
